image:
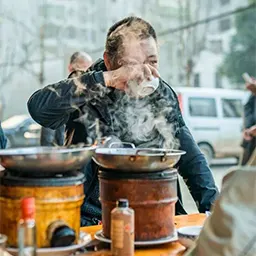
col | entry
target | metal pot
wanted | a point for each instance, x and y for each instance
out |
(136, 159)
(45, 159)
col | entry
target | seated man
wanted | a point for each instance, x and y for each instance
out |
(78, 61)
(131, 55)
(3, 140)
(231, 229)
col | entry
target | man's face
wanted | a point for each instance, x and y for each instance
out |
(136, 51)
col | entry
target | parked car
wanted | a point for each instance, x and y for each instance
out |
(21, 131)
(214, 117)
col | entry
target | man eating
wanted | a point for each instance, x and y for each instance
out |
(102, 92)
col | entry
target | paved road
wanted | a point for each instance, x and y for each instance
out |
(218, 171)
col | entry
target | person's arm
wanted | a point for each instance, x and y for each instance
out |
(193, 166)
(195, 172)
(47, 137)
(3, 140)
(59, 135)
(51, 106)
(249, 112)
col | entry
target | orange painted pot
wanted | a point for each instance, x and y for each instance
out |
(58, 202)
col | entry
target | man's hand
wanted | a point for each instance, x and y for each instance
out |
(252, 131)
(252, 86)
(246, 135)
(139, 72)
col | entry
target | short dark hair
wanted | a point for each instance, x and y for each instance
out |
(142, 29)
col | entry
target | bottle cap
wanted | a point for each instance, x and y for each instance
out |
(28, 208)
(122, 203)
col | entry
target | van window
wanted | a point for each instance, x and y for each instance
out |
(232, 108)
(202, 107)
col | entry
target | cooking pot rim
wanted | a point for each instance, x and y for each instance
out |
(139, 152)
(42, 150)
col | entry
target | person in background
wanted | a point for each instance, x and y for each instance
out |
(231, 228)
(131, 54)
(79, 61)
(249, 133)
(3, 140)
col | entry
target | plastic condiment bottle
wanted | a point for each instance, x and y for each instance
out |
(122, 229)
(27, 228)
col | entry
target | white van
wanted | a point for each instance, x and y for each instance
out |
(214, 117)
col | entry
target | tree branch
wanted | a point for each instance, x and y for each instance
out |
(4, 16)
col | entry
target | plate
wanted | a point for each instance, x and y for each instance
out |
(188, 235)
(99, 236)
(58, 251)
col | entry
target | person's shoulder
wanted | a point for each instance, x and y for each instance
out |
(98, 65)
(167, 89)
(76, 73)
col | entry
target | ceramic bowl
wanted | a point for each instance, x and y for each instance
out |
(188, 235)
(144, 89)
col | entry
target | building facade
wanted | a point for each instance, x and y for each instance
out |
(38, 37)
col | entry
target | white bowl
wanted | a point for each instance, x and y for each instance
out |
(144, 89)
(188, 235)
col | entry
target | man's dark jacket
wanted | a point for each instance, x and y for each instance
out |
(77, 102)
(51, 137)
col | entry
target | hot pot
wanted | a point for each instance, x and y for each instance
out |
(58, 192)
(148, 179)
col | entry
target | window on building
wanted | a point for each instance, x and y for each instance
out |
(72, 12)
(44, 10)
(83, 34)
(197, 80)
(179, 53)
(202, 107)
(51, 30)
(71, 32)
(223, 2)
(218, 80)
(232, 108)
(216, 46)
(59, 11)
(93, 36)
(224, 25)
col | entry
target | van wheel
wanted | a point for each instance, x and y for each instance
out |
(207, 150)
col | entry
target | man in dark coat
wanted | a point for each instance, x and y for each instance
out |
(154, 121)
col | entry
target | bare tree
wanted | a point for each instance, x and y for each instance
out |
(192, 39)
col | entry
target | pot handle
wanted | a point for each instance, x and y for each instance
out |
(121, 143)
(165, 151)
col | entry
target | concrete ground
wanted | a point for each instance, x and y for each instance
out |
(219, 169)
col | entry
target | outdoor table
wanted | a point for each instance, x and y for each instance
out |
(170, 249)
